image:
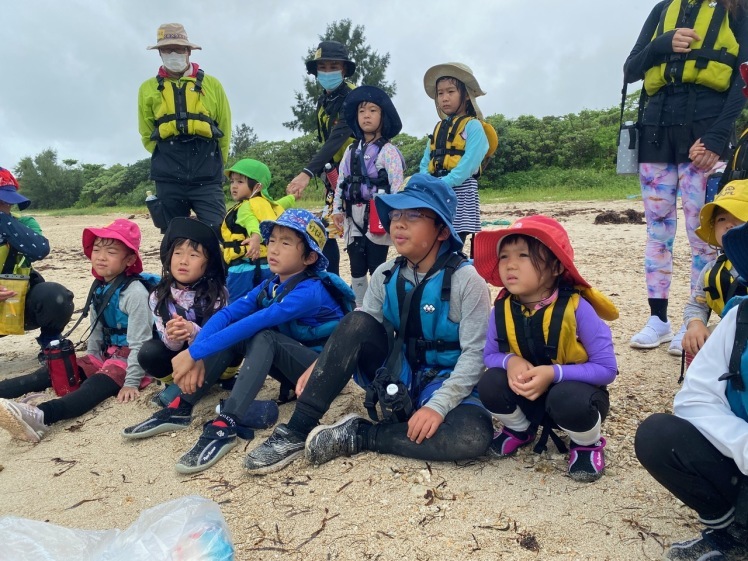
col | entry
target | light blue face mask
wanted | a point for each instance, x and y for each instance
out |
(330, 80)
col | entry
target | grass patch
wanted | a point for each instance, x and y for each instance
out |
(557, 184)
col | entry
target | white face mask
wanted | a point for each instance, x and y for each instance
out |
(175, 62)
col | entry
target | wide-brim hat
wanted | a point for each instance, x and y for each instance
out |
(331, 50)
(733, 198)
(254, 170)
(122, 230)
(308, 225)
(391, 123)
(9, 190)
(183, 227)
(422, 190)
(172, 34)
(545, 229)
(453, 70)
(735, 244)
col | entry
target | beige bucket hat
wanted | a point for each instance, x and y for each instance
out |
(172, 34)
(455, 70)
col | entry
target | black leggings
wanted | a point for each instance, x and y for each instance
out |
(36, 381)
(683, 461)
(332, 252)
(155, 358)
(360, 343)
(365, 256)
(575, 406)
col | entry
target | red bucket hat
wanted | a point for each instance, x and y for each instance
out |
(545, 229)
(121, 230)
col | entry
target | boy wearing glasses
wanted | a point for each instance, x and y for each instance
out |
(416, 347)
(184, 121)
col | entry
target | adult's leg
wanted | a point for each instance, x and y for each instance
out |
(358, 344)
(375, 255)
(209, 204)
(267, 349)
(332, 252)
(93, 391)
(36, 381)
(49, 306)
(683, 461)
(465, 433)
(692, 183)
(173, 202)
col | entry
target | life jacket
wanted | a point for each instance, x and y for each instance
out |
(313, 332)
(737, 375)
(233, 234)
(720, 285)
(182, 111)
(12, 262)
(105, 298)
(548, 336)
(711, 60)
(432, 340)
(364, 180)
(448, 145)
(329, 107)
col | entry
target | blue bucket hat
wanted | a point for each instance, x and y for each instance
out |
(391, 123)
(423, 191)
(308, 225)
(735, 244)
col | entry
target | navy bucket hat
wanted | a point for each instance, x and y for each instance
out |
(735, 244)
(423, 191)
(308, 225)
(391, 123)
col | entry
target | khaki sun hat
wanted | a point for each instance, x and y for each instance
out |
(733, 198)
(172, 34)
(455, 70)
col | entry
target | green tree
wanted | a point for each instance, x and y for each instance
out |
(242, 139)
(370, 70)
(47, 183)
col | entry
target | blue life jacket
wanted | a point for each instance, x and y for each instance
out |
(737, 376)
(432, 340)
(105, 299)
(312, 331)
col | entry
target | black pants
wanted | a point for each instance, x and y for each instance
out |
(49, 306)
(332, 252)
(365, 256)
(683, 461)
(574, 406)
(155, 358)
(36, 381)
(360, 344)
(177, 199)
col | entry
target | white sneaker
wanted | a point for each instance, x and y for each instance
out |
(676, 346)
(654, 334)
(22, 421)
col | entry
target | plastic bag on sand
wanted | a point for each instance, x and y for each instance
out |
(186, 529)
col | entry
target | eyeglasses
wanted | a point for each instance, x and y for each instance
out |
(410, 215)
(174, 49)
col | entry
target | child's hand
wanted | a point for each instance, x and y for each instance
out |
(194, 378)
(339, 220)
(127, 394)
(5, 293)
(515, 366)
(181, 366)
(179, 329)
(423, 424)
(301, 384)
(695, 336)
(533, 383)
(254, 241)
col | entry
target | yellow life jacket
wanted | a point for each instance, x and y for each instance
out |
(553, 330)
(720, 285)
(182, 111)
(711, 60)
(233, 234)
(19, 265)
(328, 116)
(448, 145)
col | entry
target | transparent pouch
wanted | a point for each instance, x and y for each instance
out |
(12, 309)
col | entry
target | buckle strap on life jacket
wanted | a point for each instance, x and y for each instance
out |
(734, 375)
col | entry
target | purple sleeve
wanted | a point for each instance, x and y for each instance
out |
(595, 336)
(492, 356)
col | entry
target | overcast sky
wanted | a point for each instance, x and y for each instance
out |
(71, 69)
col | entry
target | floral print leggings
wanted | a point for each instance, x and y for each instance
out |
(660, 184)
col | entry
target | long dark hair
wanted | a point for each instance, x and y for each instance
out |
(210, 292)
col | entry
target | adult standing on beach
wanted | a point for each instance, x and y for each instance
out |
(184, 121)
(331, 66)
(687, 54)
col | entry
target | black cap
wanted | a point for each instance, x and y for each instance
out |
(331, 50)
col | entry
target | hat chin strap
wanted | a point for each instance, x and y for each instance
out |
(415, 265)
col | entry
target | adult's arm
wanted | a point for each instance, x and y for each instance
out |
(24, 234)
(340, 133)
(221, 111)
(146, 117)
(646, 51)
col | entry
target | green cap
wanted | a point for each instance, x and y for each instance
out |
(252, 169)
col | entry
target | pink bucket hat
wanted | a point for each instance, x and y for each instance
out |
(121, 230)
